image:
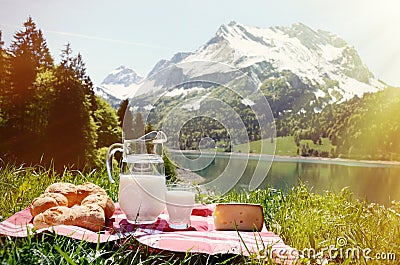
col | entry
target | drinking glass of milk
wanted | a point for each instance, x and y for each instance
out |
(142, 184)
(180, 200)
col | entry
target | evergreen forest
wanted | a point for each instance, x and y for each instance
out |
(49, 114)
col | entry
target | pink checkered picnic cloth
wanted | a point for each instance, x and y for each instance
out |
(201, 237)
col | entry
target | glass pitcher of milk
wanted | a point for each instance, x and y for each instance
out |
(142, 184)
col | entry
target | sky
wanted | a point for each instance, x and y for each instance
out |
(138, 34)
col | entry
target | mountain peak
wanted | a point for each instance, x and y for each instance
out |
(315, 56)
(228, 29)
(163, 63)
(232, 23)
(122, 75)
(300, 25)
(121, 67)
(318, 58)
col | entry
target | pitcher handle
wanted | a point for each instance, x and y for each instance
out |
(117, 147)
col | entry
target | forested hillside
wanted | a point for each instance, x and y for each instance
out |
(368, 127)
(360, 128)
(49, 113)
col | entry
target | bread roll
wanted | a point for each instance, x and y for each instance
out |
(87, 189)
(89, 216)
(60, 204)
(66, 189)
(55, 216)
(39, 222)
(103, 201)
(46, 201)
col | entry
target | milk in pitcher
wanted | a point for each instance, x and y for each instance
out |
(141, 197)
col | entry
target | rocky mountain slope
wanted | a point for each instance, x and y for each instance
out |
(313, 67)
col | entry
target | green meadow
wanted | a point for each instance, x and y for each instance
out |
(304, 220)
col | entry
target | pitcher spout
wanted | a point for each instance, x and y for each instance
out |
(155, 136)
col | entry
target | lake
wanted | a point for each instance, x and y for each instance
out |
(375, 182)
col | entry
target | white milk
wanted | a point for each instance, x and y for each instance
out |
(179, 207)
(141, 197)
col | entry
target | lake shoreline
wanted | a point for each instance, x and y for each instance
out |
(373, 181)
(310, 159)
(280, 158)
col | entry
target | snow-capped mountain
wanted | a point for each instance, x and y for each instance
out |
(118, 84)
(319, 63)
(122, 76)
(317, 57)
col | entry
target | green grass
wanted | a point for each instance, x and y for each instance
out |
(326, 145)
(301, 218)
(285, 146)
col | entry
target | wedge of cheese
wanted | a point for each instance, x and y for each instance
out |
(238, 216)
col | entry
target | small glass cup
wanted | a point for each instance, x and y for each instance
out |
(180, 199)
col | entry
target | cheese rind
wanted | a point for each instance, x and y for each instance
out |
(238, 216)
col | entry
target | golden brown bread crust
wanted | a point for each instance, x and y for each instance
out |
(46, 201)
(67, 189)
(59, 215)
(90, 216)
(55, 216)
(60, 204)
(103, 201)
(87, 189)
(39, 222)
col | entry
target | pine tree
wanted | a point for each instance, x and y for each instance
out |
(106, 119)
(149, 128)
(30, 42)
(28, 55)
(138, 128)
(3, 85)
(128, 125)
(71, 131)
(121, 111)
(87, 85)
(132, 124)
(3, 67)
(3, 78)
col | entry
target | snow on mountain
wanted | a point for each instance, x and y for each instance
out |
(182, 91)
(122, 76)
(321, 61)
(118, 84)
(314, 56)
